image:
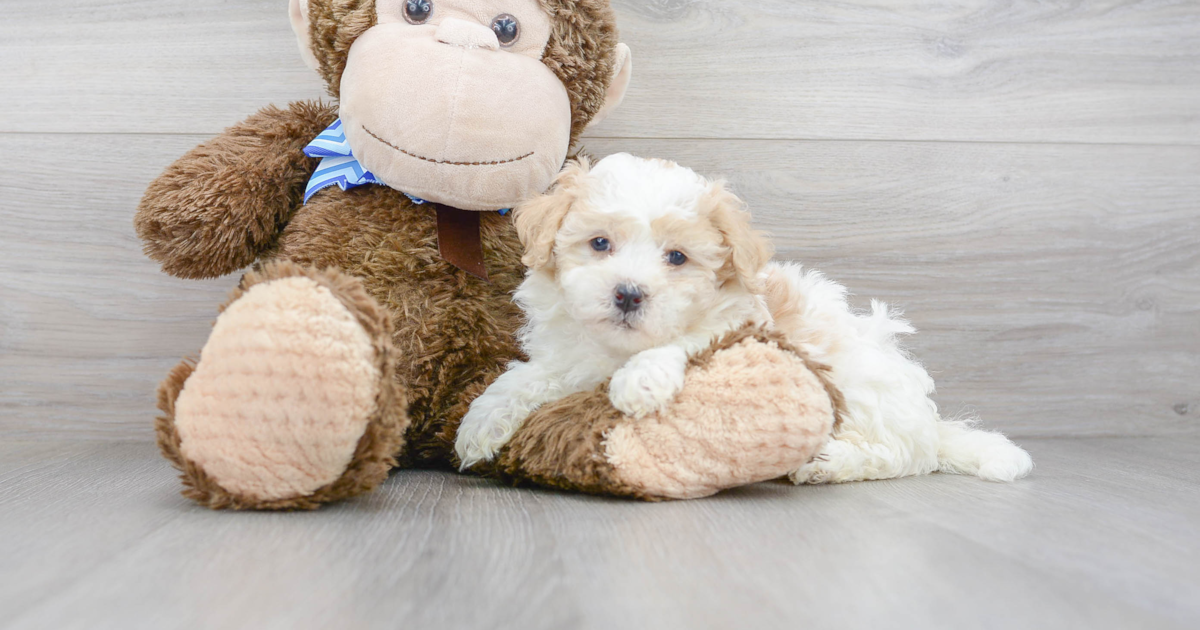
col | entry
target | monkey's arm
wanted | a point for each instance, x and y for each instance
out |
(216, 209)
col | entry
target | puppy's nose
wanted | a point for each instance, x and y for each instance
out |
(628, 298)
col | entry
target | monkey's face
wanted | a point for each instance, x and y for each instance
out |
(471, 103)
(448, 100)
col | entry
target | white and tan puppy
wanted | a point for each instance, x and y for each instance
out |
(636, 264)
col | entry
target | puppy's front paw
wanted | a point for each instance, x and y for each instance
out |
(649, 381)
(486, 427)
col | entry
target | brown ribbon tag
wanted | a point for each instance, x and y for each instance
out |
(459, 241)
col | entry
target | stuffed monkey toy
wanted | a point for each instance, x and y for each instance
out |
(378, 303)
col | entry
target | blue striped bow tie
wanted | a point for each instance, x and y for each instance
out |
(338, 165)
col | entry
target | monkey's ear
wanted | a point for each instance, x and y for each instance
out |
(298, 11)
(539, 219)
(622, 74)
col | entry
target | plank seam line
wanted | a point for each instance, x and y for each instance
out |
(686, 139)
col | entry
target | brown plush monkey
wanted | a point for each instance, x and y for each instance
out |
(367, 325)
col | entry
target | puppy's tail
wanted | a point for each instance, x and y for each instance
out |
(966, 450)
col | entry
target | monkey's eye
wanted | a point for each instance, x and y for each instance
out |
(507, 29)
(601, 244)
(417, 11)
(676, 258)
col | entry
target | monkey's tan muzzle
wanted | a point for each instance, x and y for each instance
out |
(453, 118)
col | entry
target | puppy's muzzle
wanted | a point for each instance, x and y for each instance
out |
(628, 298)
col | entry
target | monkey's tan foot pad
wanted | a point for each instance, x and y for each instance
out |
(291, 403)
(749, 412)
(752, 409)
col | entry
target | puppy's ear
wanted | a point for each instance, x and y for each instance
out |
(749, 250)
(539, 219)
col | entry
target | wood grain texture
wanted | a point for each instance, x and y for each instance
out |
(88, 325)
(146, 66)
(1102, 536)
(1057, 288)
(1093, 72)
(1096, 71)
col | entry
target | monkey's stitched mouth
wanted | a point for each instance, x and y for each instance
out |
(447, 162)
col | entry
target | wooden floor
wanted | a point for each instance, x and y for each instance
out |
(1104, 535)
(1021, 178)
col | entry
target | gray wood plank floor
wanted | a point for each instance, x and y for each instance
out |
(1103, 536)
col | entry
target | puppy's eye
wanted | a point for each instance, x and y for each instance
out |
(417, 11)
(601, 244)
(676, 258)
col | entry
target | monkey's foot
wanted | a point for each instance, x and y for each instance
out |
(293, 402)
(751, 410)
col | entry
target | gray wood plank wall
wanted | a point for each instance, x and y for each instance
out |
(1021, 178)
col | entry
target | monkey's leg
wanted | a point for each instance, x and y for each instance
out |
(751, 410)
(293, 402)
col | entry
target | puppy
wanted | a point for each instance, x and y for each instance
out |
(633, 266)
(636, 264)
